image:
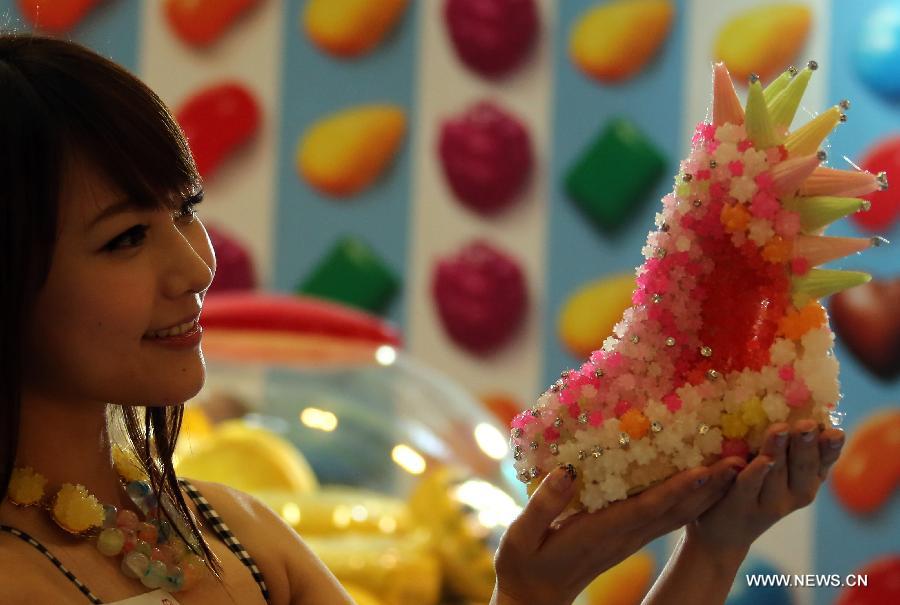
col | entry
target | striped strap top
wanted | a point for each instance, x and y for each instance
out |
(203, 507)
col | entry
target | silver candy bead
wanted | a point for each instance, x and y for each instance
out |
(703, 429)
(558, 422)
(656, 426)
(713, 164)
(844, 104)
(596, 451)
(664, 228)
(822, 155)
(517, 453)
(882, 180)
(564, 374)
(878, 241)
(843, 117)
(583, 418)
(598, 372)
(635, 338)
(517, 433)
(555, 387)
(712, 374)
(656, 298)
(533, 445)
(535, 471)
(660, 253)
(792, 70)
(582, 454)
(754, 78)
(813, 65)
(624, 439)
(706, 351)
(670, 341)
(687, 178)
(866, 205)
(524, 476)
(554, 449)
(697, 203)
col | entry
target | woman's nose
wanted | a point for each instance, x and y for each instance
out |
(190, 263)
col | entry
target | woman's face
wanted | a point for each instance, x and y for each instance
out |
(118, 273)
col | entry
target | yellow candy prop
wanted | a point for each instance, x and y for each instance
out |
(361, 596)
(349, 28)
(589, 314)
(332, 510)
(763, 40)
(399, 570)
(624, 584)
(346, 152)
(247, 458)
(613, 41)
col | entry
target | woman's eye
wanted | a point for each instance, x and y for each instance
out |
(132, 238)
(187, 212)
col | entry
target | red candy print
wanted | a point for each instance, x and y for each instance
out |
(202, 22)
(481, 297)
(58, 16)
(884, 157)
(491, 36)
(216, 121)
(486, 156)
(883, 584)
(234, 267)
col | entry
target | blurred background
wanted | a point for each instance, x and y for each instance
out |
(402, 195)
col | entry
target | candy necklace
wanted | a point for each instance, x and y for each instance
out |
(152, 550)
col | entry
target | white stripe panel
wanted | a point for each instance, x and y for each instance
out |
(790, 543)
(241, 196)
(441, 226)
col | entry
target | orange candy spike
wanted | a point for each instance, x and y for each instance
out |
(727, 107)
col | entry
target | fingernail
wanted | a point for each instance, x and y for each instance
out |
(836, 443)
(562, 478)
(769, 467)
(731, 473)
(781, 438)
(701, 481)
(807, 436)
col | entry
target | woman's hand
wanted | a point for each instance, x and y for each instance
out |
(541, 562)
(786, 476)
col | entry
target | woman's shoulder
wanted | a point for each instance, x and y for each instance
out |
(287, 564)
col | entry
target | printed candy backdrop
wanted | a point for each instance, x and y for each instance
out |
(484, 172)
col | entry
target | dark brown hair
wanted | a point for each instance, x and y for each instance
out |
(60, 101)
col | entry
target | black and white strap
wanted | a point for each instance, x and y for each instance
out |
(224, 533)
(43, 549)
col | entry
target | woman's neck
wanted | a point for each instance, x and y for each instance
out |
(68, 442)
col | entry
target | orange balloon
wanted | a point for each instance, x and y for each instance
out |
(868, 471)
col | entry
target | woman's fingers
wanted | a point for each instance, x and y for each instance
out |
(775, 486)
(550, 499)
(803, 462)
(722, 475)
(830, 443)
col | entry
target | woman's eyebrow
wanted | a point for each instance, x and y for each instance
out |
(120, 207)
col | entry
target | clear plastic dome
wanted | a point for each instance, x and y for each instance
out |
(404, 482)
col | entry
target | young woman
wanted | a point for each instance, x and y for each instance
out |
(103, 256)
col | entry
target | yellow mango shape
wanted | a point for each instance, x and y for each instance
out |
(349, 28)
(624, 584)
(763, 40)
(589, 315)
(346, 152)
(613, 41)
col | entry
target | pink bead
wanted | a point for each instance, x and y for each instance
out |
(786, 373)
(736, 168)
(551, 433)
(764, 180)
(621, 408)
(797, 394)
(127, 519)
(744, 145)
(673, 402)
(595, 418)
(735, 447)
